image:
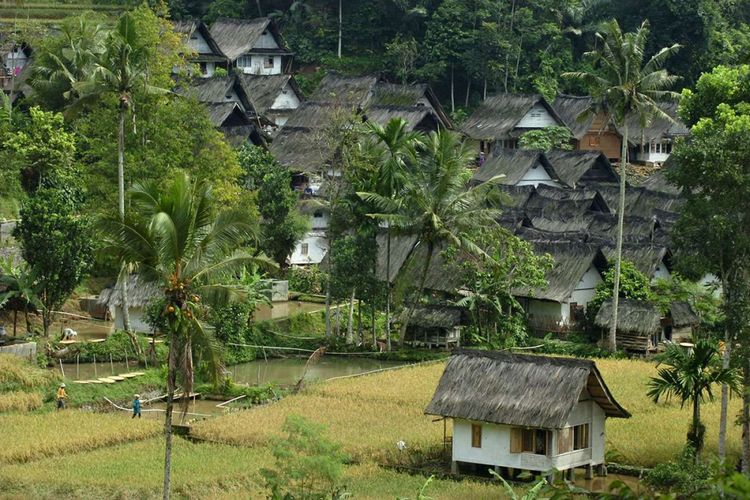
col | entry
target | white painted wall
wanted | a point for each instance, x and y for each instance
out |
(537, 117)
(547, 311)
(15, 60)
(266, 41)
(317, 247)
(319, 222)
(199, 44)
(537, 175)
(661, 273)
(137, 321)
(255, 65)
(287, 99)
(586, 287)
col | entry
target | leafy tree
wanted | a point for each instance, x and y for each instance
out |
(719, 113)
(403, 53)
(308, 465)
(633, 285)
(436, 207)
(281, 224)
(20, 290)
(178, 239)
(622, 86)
(689, 376)
(56, 243)
(547, 139)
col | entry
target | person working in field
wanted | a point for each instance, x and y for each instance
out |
(137, 406)
(61, 395)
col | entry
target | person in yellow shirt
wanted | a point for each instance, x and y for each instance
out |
(61, 397)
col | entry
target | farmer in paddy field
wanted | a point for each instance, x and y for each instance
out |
(137, 406)
(61, 397)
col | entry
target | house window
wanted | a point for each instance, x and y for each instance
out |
(594, 140)
(305, 248)
(536, 441)
(576, 312)
(581, 437)
(476, 435)
(204, 69)
(268, 62)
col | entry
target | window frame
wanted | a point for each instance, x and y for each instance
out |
(304, 249)
(476, 435)
(269, 62)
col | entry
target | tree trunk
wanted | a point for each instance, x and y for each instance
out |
(121, 207)
(518, 62)
(724, 395)
(507, 54)
(26, 317)
(350, 324)
(260, 10)
(15, 321)
(468, 92)
(453, 94)
(696, 431)
(360, 329)
(171, 382)
(417, 295)
(618, 255)
(340, 25)
(372, 326)
(328, 306)
(746, 419)
(484, 90)
(388, 289)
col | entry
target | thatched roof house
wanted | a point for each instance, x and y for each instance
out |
(206, 52)
(505, 117)
(582, 167)
(140, 295)
(572, 109)
(240, 37)
(224, 89)
(633, 317)
(517, 389)
(654, 261)
(524, 412)
(520, 167)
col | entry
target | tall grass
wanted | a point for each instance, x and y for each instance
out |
(17, 374)
(26, 437)
(20, 401)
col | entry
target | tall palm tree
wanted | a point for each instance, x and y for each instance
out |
(395, 144)
(690, 376)
(121, 70)
(623, 87)
(436, 207)
(178, 240)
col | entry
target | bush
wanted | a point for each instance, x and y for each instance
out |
(306, 279)
(577, 347)
(684, 476)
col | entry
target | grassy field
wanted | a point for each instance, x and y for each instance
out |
(84, 454)
(47, 11)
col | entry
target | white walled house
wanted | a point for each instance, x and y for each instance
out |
(205, 51)
(253, 46)
(140, 295)
(519, 167)
(311, 249)
(653, 143)
(274, 96)
(577, 270)
(514, 412)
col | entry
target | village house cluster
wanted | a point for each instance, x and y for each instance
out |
(562, 201)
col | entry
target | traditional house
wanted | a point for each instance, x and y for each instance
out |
(205, 51)
(435, 326)
(679, 323)
(653, 143)
(15, 68)
(234, 123)
(591, 131)
(253, 46)
(654, 261)
(274, 96)
(515, 412)
(140, 295)
(503, 118)
(577, 269)
(519, 167)
(582, 168)
(313, 247)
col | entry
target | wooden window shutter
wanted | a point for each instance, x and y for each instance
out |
(564, 440)
(516, 440)
(476, 435)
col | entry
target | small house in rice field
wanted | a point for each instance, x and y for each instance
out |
(514, 412)
(435, 325)
(139, 293)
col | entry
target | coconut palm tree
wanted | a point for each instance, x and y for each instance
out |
(436, 207)
(394, 145)
(623, 87)
(690, 375)
(178, 240)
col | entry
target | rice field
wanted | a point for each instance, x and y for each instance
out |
(20, 401)
(368, 415)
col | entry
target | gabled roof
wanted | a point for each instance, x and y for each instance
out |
(659, 127)
(140, 293)
(188, 27)
(572, 260)
(498, 115)
(390, 95)
(216, 90)
(513, 163)
(571, 109)
(574, 167)
(516, 389)
(646, 258)
(633, 317)
(658, 181)
(346, 90)
(682, 314)
(435, 316)
(222, 113)
(590, 199)
(264, 89)
(236, 37)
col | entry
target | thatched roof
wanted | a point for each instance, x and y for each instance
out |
(220, 90)
(236, 37)
(498, 115)
(646, 258)
(140, 293)
(549, 196)
(351, 90)
(263, 90)
(635, 229)
(516, 389)
(658, 128)
(633, 317)
(659, 183)
(572, 260)
(574, 167)
(571, 108)
(683, 315)
(388, 95)
(515, 197)
(434, 316)
(187, 27)
(513, 164)
(226, 114)
(419, 118)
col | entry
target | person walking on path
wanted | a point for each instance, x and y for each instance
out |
(61, 397)
(137, 406)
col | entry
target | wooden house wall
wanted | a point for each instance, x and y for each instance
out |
(600, 137)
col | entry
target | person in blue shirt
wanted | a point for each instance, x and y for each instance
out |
(137, 406)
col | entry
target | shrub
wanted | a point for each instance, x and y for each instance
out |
(306, 279)
(683, 476)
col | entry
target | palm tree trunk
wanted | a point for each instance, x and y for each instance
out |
(697, 433)
(388, 290)
(340, 25)
(468, 92)
(484, 90)
(618, 255)
(746, 420)
(26, 317)
(360, 330)
(724, 396)
(121, 206)
(453, 93)
(171, 382)
(507, 54)
(417, 295)
(350, 324)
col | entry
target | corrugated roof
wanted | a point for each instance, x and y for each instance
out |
(515, 389)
